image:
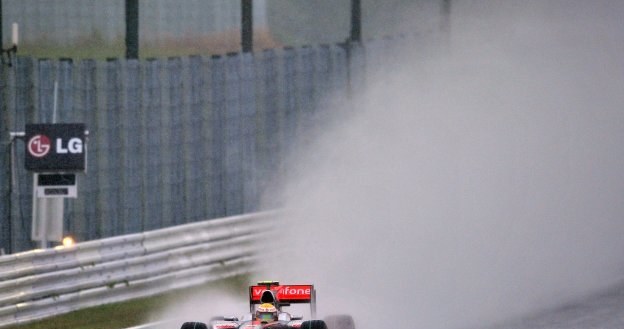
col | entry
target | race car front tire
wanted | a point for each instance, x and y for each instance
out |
(194, 325)
(340, 321)
(313, 324)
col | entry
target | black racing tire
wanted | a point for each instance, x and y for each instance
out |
(194, 325)
(313, 324)
(340, 321)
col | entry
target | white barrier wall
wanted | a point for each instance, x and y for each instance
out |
(42, 283)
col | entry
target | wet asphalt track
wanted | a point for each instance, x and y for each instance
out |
(601, 311)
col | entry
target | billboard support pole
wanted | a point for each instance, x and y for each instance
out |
(13, 186)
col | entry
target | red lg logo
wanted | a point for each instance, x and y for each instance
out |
(39, 145)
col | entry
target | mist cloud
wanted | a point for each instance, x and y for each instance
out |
(474, 185)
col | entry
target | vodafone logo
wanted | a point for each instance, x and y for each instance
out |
(257, 291)
(290, 292)
(39, 145)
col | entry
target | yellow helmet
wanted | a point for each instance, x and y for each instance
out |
(266, 312)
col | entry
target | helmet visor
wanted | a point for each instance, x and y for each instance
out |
(265, 316)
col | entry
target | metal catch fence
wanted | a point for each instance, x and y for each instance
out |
(174, 140)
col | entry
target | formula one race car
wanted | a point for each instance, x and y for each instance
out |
(266, 302)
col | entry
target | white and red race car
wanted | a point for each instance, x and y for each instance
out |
(270, 294)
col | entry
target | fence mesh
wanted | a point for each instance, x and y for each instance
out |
(172, 140)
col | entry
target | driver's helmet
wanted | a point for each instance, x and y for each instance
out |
(266, 313)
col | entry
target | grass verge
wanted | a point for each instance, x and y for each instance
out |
(130, 313)
(97, 48)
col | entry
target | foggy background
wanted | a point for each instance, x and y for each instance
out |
(476, 184)
(469, 184)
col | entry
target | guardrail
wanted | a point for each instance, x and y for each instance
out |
(43, 283)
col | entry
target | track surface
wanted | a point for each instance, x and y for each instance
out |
(604, 311)
(601, 311)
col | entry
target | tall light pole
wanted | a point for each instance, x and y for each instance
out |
(356, 21)
(247, 26)
(132, 29)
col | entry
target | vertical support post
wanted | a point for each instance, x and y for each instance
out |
(446, 16)
(356, 21)
(1, 31)
(355, 37)
(247, 25)
(132, 29)
(445, 25)
(8, 229)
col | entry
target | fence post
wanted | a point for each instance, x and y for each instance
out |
(356, 22)
(98, 138)
(357, 67)
(232, 133)
(152, 109)
(5, 165)
(196, 141)
(304, 82)
(268, 123)
(45, 90)
(111, 205)
(218, 108)
(289, 101)
(322, 80)
(203, 113)
(132, 147)
(26, 112)
(339, 69)
(190, 150)
(65, 81)
(65, 113)
(169, 117)
(248, 126)
(84, 207)
(176, 140)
